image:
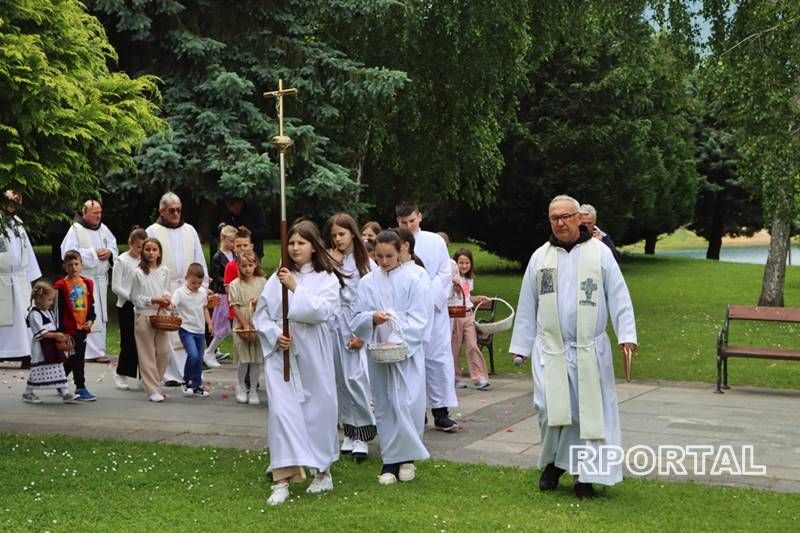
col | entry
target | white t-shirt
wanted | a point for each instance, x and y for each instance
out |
(189, 306)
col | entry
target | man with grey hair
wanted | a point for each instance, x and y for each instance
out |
(181, 247)
(98, 249)
(588, 216)
(571, 286)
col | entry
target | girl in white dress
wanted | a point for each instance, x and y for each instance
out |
(303, 411)
(350, 355)
(393, 306)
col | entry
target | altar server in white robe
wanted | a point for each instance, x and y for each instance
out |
(439, 367)
(181, 247)
(393, 306)
(303, 412)
(350, 355)
(98, 248)
(18, 269)
(570, 288)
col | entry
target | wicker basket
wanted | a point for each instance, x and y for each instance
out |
(213, 300)
(458, 311)
(165, 322)
(490, 328)
(65, 345)
(247, 335)
(384, 352)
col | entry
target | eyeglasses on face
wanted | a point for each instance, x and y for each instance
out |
(173, 210)
(555, 219)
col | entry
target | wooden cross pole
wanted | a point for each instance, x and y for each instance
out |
(282, 143)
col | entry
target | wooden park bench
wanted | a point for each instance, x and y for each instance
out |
(755, 313)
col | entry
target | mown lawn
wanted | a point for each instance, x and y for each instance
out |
(679, 304)
(69, 484)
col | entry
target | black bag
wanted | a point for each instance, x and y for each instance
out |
(52, 355)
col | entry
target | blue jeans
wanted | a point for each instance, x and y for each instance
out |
(195, 345)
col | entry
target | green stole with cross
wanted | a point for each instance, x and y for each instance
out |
(556, 381)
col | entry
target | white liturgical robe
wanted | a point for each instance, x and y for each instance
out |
(527, 340)
(302, 412)
(18, 269)
(439, 369)
(398, 389)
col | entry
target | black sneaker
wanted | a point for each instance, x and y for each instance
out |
(549, 477)
(583, 491)
(442, 420)
(172, 383)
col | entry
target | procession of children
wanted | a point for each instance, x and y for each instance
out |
(370, 345)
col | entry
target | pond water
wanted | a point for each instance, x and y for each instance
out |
(734, 254)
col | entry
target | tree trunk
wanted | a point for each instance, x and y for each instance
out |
(715, 236)
(650, 244)
(775, 269)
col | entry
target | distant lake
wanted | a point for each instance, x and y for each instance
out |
(733, 254)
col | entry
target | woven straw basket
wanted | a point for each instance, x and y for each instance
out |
(213, 301)
(489, 328)
(382, 352)
(458, 311)
(66, 345)
(165, 322)
(246, 334)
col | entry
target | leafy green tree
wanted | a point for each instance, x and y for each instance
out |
(755, 67)
(65, 119)
(726, 205)
(604, 120)
(215, 60)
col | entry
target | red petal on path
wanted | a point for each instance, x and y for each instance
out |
(224, 396)
(510, 430)
(483, 401)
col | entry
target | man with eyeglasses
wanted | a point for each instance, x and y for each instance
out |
(571, 286)
(180, 248)
(98, 249)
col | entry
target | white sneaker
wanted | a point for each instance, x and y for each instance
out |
(360, 448)
(280, 493)
(156, 397)
(347, 445)
(253, 398)
(241, 394)
(211, 361)
(407, 472)
(387, 479)
(323, 482)
(121, 382)
(187, 391)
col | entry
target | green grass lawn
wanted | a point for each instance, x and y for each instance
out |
(69, 484)
(679, 304)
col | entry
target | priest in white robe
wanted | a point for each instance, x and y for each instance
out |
(181, 247)
(439, 365)
(98, 248)
(572, 285)
(398, 388)
(18, 269)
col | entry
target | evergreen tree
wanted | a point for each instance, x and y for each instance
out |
(65, 119)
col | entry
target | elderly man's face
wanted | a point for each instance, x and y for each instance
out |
(564, 221)
(589, 221)
(92, 212)
(171, 213)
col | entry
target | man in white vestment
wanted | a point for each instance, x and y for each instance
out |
(181, 247)
(98, 248)
(18, 269)
(570, 288)
(439, 365)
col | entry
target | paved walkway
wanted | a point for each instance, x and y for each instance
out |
(500, 425)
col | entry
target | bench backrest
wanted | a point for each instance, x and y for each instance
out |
(767, 314)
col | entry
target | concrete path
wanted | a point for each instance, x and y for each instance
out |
(500, 425)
